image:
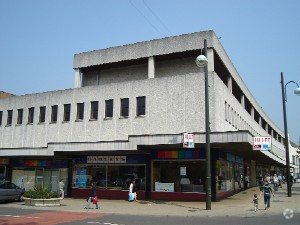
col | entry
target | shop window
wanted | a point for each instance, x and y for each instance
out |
(20, 116)
(30, 115)
(94, 110)
(124, 107)
(109, 108)
(67, 112)
(80, 111)
(116, 177)
(1, 114)
(179, 176)
(54, 110)
(42, 114)
(141, 106)
(9, 117)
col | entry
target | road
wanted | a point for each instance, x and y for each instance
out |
(11, 216)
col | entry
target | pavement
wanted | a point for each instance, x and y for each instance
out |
(237, 205)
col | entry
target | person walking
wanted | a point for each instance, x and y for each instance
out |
(61, 188)
(93, 194)
(267, 191)
(275, 181)
(132, 190)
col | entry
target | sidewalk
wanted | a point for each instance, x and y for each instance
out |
(238, 205)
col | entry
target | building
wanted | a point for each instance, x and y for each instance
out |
(125, 119)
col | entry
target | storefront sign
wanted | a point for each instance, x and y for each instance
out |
(164, 187)
(107, 159)
(4, 161)
(188, 140)
(262, 143)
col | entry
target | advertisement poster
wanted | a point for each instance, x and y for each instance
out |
(262, 143)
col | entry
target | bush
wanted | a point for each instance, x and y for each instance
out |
(40, 193)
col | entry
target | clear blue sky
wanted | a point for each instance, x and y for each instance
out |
(38, 40)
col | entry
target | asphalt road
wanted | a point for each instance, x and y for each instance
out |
(11, 216)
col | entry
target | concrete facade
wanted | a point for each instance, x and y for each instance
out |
(165, 73)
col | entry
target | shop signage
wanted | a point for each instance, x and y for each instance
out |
(262, 143)
(107, 159)
(4, 161)
(188, 140)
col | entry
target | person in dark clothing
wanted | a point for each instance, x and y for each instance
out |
(266, 189)
(93, 194)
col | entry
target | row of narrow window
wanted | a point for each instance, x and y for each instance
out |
(109, 111)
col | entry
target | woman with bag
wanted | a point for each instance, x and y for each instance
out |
(93, 197)
(132, 191)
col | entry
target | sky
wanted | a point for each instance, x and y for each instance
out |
(38, 40)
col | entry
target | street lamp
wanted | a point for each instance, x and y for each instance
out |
(286, 142)
(201, 61)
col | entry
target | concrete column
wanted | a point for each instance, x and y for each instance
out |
(210, 58)
(229, 84)
(252, 112)
(243, 100)
(78, 82)
(151, 67)
(260, 121)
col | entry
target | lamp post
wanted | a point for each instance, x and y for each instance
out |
(286, 142)
(201, 61)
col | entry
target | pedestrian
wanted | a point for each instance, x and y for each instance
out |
(255, 202)
(132, 191)
(246, 181)
(93, 194)
(280, 180)
(275, 181)
(61, 188)
(267, 191)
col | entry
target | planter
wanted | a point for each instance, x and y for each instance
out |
(42, 202)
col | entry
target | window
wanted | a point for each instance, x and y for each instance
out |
(30, 115)
(20, 116)
(1, 114)
(9, 117)
(54, 110)
(141, 106)
(124, 107)
(94, 110)
(80, 111)
(67, 112)
(42, 114)
(109, 108)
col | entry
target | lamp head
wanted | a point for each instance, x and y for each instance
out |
(297, 91)
(201, 60)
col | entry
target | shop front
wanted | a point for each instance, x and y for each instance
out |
(112, 175)
(178, 175)
(27, 173)
(4, 168)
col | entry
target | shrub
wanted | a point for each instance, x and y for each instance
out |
(40, 193)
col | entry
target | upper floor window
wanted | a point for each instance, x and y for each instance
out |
(94, 110)
(109, 110)
(80, 111)
(54, 111)
(141, 106)
(42, 114)
(9, 117)
(1, 114)
(20, 116)
(67, 112)
(30, 115)
(124, 107)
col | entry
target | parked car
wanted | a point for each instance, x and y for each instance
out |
(10, 192)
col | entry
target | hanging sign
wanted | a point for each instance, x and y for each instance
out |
(262, 143)
(188, 140)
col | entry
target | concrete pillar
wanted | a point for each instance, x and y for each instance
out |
(252, 112)
(229, 84)
(78, 82)
(151, 67)
(243, 100)
(260, 121)
(210, 58)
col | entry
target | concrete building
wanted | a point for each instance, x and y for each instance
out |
(125, 119)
